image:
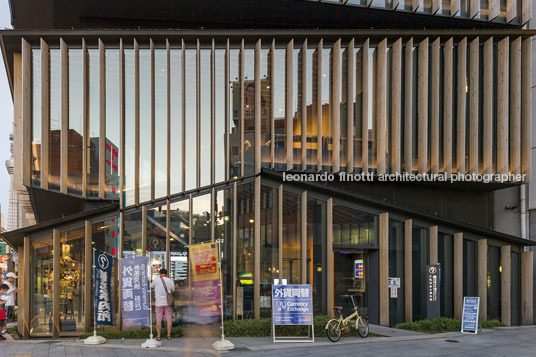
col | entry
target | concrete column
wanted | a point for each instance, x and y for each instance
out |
(483, 278)
(384, 269)
(408, 271)
(329, 254)
(433, 245)
(422, 105)
(380, 118)
(527, 268)
(447, 107)
(506, 274)
(88, 276)
(458, 275)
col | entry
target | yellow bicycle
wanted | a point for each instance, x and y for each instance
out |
(335, 327)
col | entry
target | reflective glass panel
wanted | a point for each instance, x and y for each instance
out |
(54, 141)
(191, 119)
(269, 246)
(112, 124)
(249, 112)
(132, 235)
(201, 218)
(129, 127)
(206, 122)
(234, 115)
(94, 124)
(219, 101)
(42, 287)
(245, 250)
(160, 109)
(145, 124)
(74, 164)
(176, 106)
(156, 239)
(36, 117)
(292, 237)
(279, 109)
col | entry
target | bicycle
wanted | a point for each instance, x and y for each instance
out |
(334, 327)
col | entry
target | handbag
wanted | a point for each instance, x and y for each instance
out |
(169, 296)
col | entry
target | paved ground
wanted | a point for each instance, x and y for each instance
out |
(516, 342)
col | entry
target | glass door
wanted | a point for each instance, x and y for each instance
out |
(350, 278)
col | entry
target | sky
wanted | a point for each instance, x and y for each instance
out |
(6, 116)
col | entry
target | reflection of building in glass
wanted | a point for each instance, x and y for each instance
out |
(164, 141)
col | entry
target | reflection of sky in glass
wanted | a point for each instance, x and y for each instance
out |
(129, 126)
(55, 118)
(191, 104)
(75, 90)
(112, 121)
(176, 120)
(279, 107)
(206, 113)
(145, 125)
(160, 101)
(219, 134)
(36, 96)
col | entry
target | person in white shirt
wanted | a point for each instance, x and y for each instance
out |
(10, 298)
(160, 302)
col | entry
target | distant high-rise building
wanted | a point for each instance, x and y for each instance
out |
(13, 208)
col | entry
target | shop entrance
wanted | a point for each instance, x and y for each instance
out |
(350, 278)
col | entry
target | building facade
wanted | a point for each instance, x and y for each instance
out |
(306, 152)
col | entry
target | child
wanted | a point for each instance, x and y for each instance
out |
(3, 289)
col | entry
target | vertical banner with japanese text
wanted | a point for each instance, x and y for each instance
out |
(103, 301)
(135, 299)
(205, 278)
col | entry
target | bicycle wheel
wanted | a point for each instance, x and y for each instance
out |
(362, 327)
(333, 331)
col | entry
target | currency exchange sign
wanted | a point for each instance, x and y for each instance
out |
(292, 304)
(135, 299)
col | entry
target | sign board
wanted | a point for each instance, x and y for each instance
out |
(103, 300)
(135, 299)
(433, 278)
(394, 292)
(292, 305)
(471, 305)
(206, 278)
(394, 283)
(359, 272)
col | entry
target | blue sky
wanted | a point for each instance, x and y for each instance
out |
(6, 116)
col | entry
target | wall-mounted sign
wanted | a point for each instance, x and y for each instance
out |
(359, 270)
(394, 283)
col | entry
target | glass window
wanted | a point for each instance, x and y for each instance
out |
(112, 124)
(245, 250)
(397, 270)
(76, 124)
(191, 119)
(297, 90)
(269, 246)
(42, 286)
(201, 218)
(179, 221)
(358, 108)
(130, 138)
(36, 117)
(344, 109)
(484, 10)
(72, 281)
(206, 122)
(445, 8)
(316, 253)
(445, 251)
(219, 127)
(420, 258)
(224, 231)
(266, 107)
(132, 235)
(470, 270)
(311, 72)
(352, 227)
(292, 237)
(54, 141)
(160, 103)
(156, 238)
(326, 112)
(176, 102)
(279, 109)
(106, 238)
(249, 112)
(494, 283)
(234, 115)
(94, 124)
(145, 124)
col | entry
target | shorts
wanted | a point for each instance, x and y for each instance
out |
(161, 310)
(9, 312)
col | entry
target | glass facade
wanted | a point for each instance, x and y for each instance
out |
(397, 270)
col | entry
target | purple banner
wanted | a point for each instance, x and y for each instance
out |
(135, 299)
(207, 297)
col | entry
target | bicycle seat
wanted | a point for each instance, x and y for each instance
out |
(337, 308)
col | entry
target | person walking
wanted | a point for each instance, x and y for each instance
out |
(10, 299)
(163, 301)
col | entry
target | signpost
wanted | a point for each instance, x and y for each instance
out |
(433, 278)
(292, 305)
(471, 305)
(102, 273)
(394, 285)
